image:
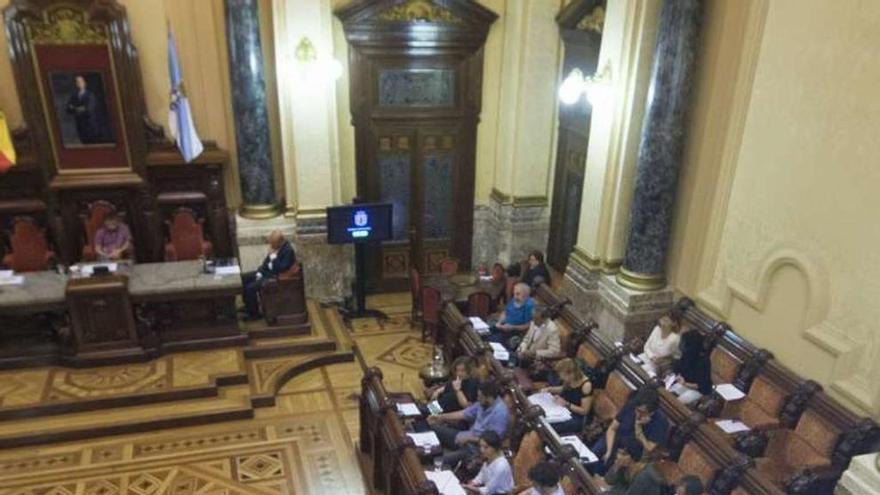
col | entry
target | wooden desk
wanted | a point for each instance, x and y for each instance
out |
(457, 288)
(136, 314)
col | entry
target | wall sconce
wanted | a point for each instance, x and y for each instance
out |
(595, 87)
(307, 55)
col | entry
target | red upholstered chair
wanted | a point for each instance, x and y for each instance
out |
(186, 239)
(283, 298)
(415, 289)
(449, 266)
(479, 304)
(531, 452)
(91, 223)
(431, 301)
(809, 446)
(30, 251)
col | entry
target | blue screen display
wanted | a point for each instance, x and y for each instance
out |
(359, 223)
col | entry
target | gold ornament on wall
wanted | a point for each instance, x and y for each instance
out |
(419, 11)
(66, 26)
(594, 21)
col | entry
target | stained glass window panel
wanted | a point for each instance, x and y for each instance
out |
(394, 188)
(438, 195)
(416, 87)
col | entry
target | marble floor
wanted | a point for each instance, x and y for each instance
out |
(304, 444)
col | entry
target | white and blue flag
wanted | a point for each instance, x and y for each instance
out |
(180, 121)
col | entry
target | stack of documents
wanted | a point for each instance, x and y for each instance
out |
(7, 277)
(480, 326)
(732, 426)
(408, 409)
(447, 483)
(582, 450)
(425, 440)
(88, 269)
(227, 270)
(499, 351)
(728, 392)
(553, 412)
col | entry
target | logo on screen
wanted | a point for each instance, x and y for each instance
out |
(360, 218)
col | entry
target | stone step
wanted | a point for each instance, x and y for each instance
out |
(231, 404)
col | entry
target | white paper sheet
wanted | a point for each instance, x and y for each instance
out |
(425, 439)
(732, 426)
(583, 451)
(728, 392)
(499, 351)
(5, 273)
(553, 412)
(669, 381)
(635, 358)
(480, 326)
(446, 481)
(12, 280)
(408, 409)
(227, 270)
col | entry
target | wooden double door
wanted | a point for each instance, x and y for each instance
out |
(419, 170)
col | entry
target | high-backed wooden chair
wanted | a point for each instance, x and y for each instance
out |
(760, 408)
(415, 289)
(92, 221)
(29, 248)
(531, 452)
(693, 460)
(725, 366)
(607, 402)
(479, 304)
(431, 301)
(283, 298)
(186, 239)
(449, 266)
(809, 446)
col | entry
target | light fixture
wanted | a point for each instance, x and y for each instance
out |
(596, 87)
(324, 68)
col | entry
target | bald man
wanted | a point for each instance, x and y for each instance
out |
(280, 258)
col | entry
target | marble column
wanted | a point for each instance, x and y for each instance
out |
(249, 109)
(661, 145)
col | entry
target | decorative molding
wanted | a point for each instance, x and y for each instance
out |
(585, 260)
(594, 22)
(419, 11)
(66, 26)
(260, 212)
(641, 281)
(517, 201)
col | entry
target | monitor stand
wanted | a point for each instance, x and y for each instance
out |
(361, 311)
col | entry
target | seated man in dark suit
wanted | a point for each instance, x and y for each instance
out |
(280, 258)
(641, 420)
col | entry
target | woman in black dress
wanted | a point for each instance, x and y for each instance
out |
(575, 394)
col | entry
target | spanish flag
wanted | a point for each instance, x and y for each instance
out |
(7, 151)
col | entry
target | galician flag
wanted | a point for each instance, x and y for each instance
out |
(7, 151)
(180, 121)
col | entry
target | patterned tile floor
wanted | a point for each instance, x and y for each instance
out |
(302, 445)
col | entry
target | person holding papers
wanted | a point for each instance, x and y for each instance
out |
(639, 419)
(545, 478)
(516, 317)
(693, 372)
(459, 393)
(489, 413)
(575, 394)
(495, 477)
(542, 339)
(113, 239)
(662, 345)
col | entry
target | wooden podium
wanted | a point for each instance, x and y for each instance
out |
(101, 319)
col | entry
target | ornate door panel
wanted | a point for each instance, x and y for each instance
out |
(415, 69)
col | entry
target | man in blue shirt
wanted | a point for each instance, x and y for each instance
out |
(516, 317)
(489, 413)
(640, 419)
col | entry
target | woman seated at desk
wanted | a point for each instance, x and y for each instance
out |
(661, 348)
(693, 372)
(495, 477)
(575, 394)
(113, 239)
(461, 391)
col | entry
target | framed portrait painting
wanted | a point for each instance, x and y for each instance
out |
(79, 93)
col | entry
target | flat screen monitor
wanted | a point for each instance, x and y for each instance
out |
(366, 222)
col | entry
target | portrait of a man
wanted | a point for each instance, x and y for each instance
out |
(81, 106)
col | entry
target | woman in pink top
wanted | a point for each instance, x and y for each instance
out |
(113, 239)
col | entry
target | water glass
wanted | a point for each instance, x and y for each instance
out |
(438, 463)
